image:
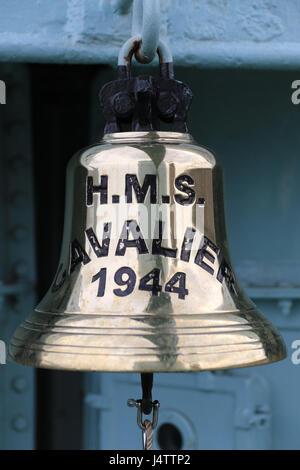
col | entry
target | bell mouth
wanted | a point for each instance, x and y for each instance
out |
(148, 136)
(146, 342)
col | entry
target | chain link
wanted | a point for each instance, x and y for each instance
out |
(145, 41)
(146, 24)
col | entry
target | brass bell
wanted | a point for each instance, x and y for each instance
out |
(145, 282)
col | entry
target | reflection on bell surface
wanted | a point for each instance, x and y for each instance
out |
(145, 282)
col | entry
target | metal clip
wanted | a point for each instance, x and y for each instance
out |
(146, 430)
(137, 403)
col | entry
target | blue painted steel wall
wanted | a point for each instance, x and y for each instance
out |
(202, 33)
(17, 260)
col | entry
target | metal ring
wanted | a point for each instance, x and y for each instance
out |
(133, 45)
(146, 23)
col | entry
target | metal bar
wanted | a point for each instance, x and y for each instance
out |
(275, 56)
(147, 384)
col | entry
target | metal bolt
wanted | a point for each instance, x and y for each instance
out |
(123, 104)
(131, 402)
(166, 104)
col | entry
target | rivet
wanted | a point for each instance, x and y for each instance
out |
(285, 306)
(19, 384)
(21, 269)
(19, 233)
(20, 423)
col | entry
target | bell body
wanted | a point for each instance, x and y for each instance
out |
(145, 282)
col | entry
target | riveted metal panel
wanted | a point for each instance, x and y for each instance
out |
(17, 268)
